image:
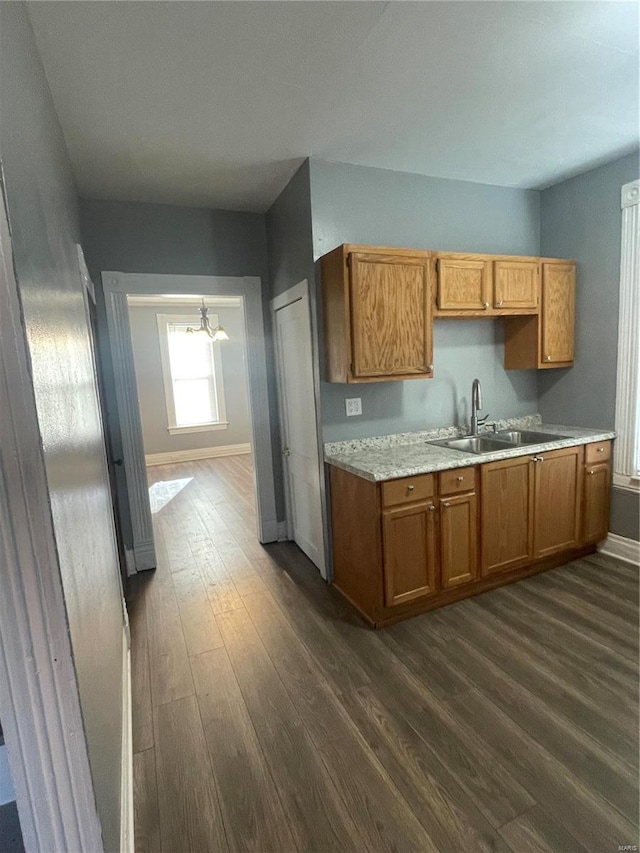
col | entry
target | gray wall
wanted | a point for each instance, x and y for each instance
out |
(44, 224)
(153, 411)
(356, 204)
(581, 219)
(289, 234)
(157, 238)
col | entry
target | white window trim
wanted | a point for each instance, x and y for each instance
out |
(172, 427)
(628, 373)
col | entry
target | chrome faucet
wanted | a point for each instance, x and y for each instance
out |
(476, 403)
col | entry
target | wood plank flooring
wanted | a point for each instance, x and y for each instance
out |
(268, 718)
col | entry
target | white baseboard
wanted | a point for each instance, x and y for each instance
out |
(126, 782)
(174, 456)
(621, 548)
(273, 531)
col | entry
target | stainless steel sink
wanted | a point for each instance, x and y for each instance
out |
(492, 442)
(519, 437)
(473, 444)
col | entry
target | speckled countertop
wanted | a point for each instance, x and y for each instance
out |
(406, 454)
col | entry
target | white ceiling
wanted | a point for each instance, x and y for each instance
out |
(216, 103)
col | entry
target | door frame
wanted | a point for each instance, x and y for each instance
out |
(39, 696)
(116, 286)
(300, 292)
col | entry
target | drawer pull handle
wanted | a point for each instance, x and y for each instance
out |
(410, 488)
(460, 479)
(601, 450)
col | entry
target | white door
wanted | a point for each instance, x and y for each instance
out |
(299, 438)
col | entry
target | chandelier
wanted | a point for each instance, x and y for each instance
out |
(217, 334)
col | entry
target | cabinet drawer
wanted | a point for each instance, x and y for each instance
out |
(458, 480)
(599, 451)
(408, 489)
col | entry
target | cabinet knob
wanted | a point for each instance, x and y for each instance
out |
(547, 358)
(538, 459)
(499, 303)
(429, 368)
(485, 304)
(410, 488)
(431, 507)
(592, 471)
(601, 450)
(460, 479)
(446, 503)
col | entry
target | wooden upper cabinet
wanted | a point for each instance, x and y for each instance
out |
(464, 284)
(516, 284)
(558, 313)
(377, 314)
(379, 305)
(557, 501)
(545, 340)
(409, 548)
(486, 285)
(506, 500)
(390, 321)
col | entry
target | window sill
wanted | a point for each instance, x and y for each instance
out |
(626, 484)
(179, 430)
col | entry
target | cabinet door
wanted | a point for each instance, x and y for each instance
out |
(506, 502)
(516, 284)
(409, 553)
(557, 501)
(390, 315)
(458, 540)
(558, 313)
(464, 284)
(597, 494)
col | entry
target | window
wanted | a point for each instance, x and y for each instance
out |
(192, 372)
(627, 453)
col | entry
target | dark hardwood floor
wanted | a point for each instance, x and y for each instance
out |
(267, 717)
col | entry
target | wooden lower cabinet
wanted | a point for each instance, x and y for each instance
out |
(458, 540)
(557, 501)
(597, 497)
(409, 552)
(408, 545)
(506, 501)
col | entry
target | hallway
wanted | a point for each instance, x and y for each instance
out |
(267, 718)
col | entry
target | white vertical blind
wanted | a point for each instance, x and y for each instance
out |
(627, 454)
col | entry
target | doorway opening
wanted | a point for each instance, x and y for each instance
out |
(189, 355)
(191, 410)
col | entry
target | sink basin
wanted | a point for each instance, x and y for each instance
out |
(519, 437)
(473, 444)
(491, 442)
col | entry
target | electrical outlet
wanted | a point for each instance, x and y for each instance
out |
(353, 406)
